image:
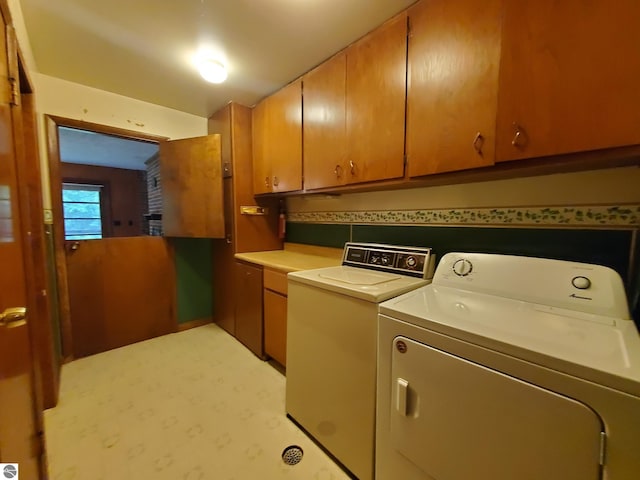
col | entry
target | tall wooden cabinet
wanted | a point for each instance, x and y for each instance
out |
(354, 109)
(454, 59)
(243, 233)
(569, 77)
(277, 141)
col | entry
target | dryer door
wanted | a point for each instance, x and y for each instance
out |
(458, 420)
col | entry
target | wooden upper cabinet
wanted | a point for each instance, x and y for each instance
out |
(324, 120)
(453, 58)
(569, 77)
(375, 103)
(192, 191)
(277, 141)
(261, 169)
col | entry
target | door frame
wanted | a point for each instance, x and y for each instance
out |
(52, 122)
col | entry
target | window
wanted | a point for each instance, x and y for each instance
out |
(82, 211)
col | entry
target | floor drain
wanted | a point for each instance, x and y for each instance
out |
(292, 455)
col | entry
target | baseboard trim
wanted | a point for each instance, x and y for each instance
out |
(198, 322)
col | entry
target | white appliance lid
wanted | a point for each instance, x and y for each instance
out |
(358, 282)
(601, 348)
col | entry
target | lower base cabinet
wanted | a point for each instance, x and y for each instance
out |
(248, 306)
(275, 315)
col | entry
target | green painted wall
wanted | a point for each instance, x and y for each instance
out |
(193, 257)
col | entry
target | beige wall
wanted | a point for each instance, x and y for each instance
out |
(61, 98)
(602, 187)
(71, 100)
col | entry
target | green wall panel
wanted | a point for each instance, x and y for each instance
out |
(323, 234)
(193, 257)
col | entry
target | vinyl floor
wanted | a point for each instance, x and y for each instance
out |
(190, 405)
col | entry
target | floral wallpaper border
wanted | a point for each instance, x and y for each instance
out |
(578, 216)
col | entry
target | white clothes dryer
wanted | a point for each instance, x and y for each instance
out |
(509, 368)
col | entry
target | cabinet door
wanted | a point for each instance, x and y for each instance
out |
(569, 77)
(275, 326)
(453, 58)
(248, 292)
(376, 88)
(192, 191)
(324, 117)
(260, 128)
(285, 138)
(325, 133)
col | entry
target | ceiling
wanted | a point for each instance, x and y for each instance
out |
(89, 148)
(144, 48)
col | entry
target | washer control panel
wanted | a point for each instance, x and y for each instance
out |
(412, 261)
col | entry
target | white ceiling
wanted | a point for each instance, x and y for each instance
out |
(89, 148)
(143, 48)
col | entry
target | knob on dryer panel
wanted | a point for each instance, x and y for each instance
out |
(583, 287)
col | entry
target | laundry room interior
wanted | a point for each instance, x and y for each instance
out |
(244, 248)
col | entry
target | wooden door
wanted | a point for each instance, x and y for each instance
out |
(192, 191)
(568, 78)
(121, 291)
(285, 138)
(324, 120)
(260, 132)
(18, 419)
(248, 308)
(454, 58)
(376, 87)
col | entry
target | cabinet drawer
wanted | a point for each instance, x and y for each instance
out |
(275, 280)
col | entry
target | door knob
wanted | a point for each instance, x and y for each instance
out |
(13, 317)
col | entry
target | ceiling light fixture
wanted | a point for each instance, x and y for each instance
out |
(212, 70)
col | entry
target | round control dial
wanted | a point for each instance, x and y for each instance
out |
(411, 262)
(462, 267)
(583, 283)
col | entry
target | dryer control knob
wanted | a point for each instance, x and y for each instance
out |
(582, 283)
(462, 267)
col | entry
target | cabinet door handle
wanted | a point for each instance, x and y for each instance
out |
(353, 167)
(478, 142)
(519, 137)
(275, 181)
(338, 171)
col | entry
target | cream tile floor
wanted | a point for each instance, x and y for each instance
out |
(191, 405)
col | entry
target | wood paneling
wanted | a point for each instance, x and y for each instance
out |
(248, 307)
(568, 77)
(122, 198)
(324, 119)
(453, 62)
(376, 88)
(191, 172)
(275, 326)
(121, 291)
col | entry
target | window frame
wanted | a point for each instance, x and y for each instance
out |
(105, 199)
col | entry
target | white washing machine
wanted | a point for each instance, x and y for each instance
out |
(508, 368)
(331, 345)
